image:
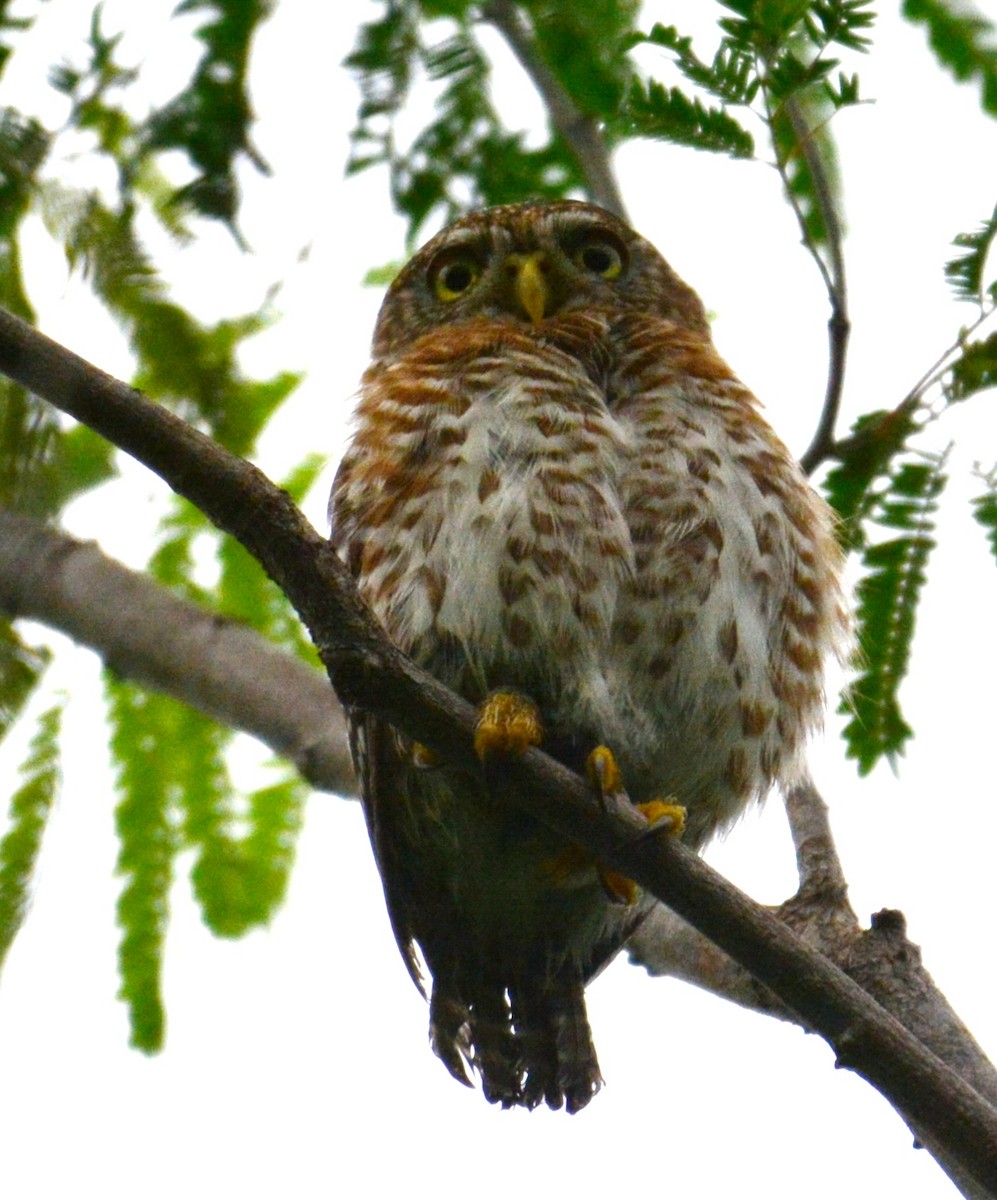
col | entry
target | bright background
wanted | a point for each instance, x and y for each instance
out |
(297, 1062)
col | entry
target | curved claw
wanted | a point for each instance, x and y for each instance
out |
(664, 816)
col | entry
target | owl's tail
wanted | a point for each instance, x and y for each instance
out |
(530, 1046)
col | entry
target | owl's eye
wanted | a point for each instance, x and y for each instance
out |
(601, 258)
(454, 278)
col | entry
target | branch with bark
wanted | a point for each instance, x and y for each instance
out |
(949, 1114)
(581, 133)
(144, 633)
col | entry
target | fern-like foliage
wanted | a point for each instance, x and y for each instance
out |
(974, 371)
(774, 60)
(966, 273)
(173, 780)
(141, 729)
(864, 460)
(465, 156)
(175, 794)
(985, 509)
(887, 597)
(244, 851)
(964, 42)
(208, 121)
(654, 110)
(29, 809)
(21, 668)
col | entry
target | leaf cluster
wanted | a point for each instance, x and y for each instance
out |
(175, 794)
(887, 598)
(886, 491)
(170, 798)
(465, 156)
(30, 806)
(964, 42)
(772, 61)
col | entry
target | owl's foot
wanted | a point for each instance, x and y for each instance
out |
(663, 816)
(422, 758)
(508, 725)
(607, 779)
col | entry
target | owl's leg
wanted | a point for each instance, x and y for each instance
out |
(508, 725)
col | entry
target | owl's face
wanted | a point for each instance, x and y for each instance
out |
(528, 263)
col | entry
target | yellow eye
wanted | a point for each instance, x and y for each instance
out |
(601, 258)
(454, 278)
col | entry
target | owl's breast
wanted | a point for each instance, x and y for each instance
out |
(487, 529)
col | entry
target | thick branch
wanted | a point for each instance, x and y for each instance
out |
(366, 670)
(145, 633)
(581, 133)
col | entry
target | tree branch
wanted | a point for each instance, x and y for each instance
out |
(581, 133)
(833, 273)
(229, 672)
(368, 671)
(145, 633)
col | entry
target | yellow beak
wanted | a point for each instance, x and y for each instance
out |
(531, 287)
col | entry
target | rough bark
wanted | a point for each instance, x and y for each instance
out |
(146, 634)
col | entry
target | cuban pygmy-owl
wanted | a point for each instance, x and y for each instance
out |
(558, 495)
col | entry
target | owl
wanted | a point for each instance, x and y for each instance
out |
(560, 501)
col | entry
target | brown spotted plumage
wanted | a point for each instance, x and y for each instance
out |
(557, 489)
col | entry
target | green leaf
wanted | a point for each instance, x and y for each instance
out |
(887, 596)
(21, 669)
(464, 157)
(210, 120)
(966, 273)
(655, 111)
(244, 850)
(985, 509)
(181, 362)
(142, 746)
(963, 41)
(841, 22)
(581, 44)
(731, 77)
(974, 371)
(24, 147)
(241, 881)
(29, 810)
(10, 24)
(82, 461)
(864, 459)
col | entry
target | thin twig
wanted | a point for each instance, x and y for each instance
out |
(581, 133)
(367, 671)
(833, 274)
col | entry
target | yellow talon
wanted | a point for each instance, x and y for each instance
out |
(508, 725)
(607, 779)
(618, 888)
(570, 861)
(660, 812)
(603, 771)
(423, 758)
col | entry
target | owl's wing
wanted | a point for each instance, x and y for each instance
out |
(379, 767)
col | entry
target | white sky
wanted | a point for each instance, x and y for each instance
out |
(297, 1062)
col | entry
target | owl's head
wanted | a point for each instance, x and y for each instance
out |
(528, 263)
